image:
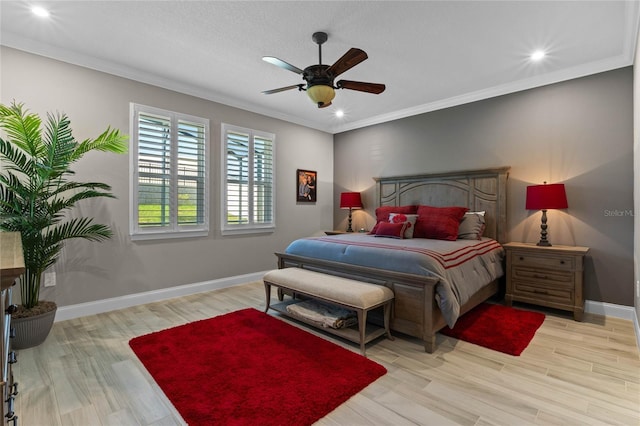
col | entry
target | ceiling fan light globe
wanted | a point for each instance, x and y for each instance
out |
(321, 94)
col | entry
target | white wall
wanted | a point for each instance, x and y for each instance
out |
(94, 271)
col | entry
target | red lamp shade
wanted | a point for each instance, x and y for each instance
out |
(350, 200)
(544, 197)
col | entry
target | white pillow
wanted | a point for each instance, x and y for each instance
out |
(409, 218)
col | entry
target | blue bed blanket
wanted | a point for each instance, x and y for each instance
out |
(462, 266)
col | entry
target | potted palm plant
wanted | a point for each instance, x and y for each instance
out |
(36, 193)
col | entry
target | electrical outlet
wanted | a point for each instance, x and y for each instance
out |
(49, 279)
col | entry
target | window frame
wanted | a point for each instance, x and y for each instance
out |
(251, 227)
(174, 230)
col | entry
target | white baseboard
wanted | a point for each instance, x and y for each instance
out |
(637, 327)
(616, 311)
(106, 305)
(112, 304)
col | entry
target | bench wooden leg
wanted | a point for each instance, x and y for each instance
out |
(267, 290)
(386, 309)
(362, 328)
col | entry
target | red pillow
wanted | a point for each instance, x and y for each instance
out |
(391, 230)
(382, 213)
(439, 223)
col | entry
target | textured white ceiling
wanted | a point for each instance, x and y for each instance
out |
(430, 54)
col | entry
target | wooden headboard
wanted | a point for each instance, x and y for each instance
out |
(476, 189)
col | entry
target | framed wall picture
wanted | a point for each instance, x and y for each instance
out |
(306, 186)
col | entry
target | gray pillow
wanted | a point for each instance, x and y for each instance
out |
(472, 226)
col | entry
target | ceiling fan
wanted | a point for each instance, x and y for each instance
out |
(320, 86)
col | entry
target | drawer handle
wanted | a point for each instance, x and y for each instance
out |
(542, 277)
(10, 413)
(521, 258)
(540, 291)
(562, 262)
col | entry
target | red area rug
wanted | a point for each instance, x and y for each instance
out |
(249, 368)
(497, 327)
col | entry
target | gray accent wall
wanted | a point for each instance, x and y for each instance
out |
(578, 132)
(95, 271)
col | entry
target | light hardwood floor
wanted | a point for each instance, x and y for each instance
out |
(572, 373)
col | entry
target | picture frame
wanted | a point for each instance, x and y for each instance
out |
(306, 181)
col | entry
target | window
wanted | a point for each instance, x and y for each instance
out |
(169, 188)
(248, 176)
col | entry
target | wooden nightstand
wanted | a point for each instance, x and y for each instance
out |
(546, 276)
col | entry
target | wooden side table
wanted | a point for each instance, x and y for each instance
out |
(11, 258)
(546, 276)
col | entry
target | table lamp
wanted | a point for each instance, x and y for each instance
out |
(544, 197)
(350, 200)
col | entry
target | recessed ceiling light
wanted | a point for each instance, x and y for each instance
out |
(40, 11)
(339, 113)
(538, 55)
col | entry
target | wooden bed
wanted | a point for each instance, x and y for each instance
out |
(415, 311)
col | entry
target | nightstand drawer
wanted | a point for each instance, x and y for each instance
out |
(536, 261)
(543, 276)
(524, 289)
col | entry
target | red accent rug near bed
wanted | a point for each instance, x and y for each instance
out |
(249, 368)
(497, 327)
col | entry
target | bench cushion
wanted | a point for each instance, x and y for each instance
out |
(335, 289)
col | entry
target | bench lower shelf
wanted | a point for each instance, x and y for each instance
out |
(372, 331)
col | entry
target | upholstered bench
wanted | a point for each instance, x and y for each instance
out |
(344, 292)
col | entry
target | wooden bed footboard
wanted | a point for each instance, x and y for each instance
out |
(415, 311)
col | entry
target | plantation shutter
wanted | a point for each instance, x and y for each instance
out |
(249, 180)
(237, 178)
(263, 180)
(191, 173)
(169, 179)
(154, 170)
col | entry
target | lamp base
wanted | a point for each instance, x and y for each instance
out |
(543, 232)
(349, 229)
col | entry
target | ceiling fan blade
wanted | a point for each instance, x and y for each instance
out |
(349, 60)
(361, 86)
(282, 64)
(282, 89)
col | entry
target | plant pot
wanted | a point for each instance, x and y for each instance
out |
(32, 331)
